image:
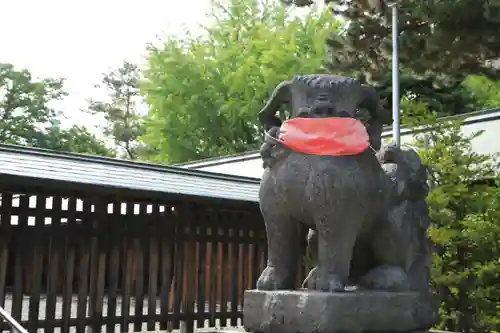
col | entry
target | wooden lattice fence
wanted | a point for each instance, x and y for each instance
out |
(72, 262)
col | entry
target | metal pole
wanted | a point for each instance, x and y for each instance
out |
(12, 322)
(395, 77)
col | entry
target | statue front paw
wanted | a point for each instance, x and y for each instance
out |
(386, 277)
(272, 279)
(323, 281)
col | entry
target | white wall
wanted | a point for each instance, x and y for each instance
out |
(489, 141)
(486, 143)
(247, 168)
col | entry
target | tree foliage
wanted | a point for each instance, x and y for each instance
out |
(465, 211)
(27, 118)
(441, 43)
(205, 92)
(124, 123)
(76, 139)
(484, 90)
(450, 38)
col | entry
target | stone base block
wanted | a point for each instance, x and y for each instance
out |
(348, 312)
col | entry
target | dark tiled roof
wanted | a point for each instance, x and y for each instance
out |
(41, 165)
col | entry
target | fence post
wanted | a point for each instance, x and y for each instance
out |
(187, 219)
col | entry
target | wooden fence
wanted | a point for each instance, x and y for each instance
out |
(74, 263)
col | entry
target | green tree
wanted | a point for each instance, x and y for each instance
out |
(441, 43)
(124, 123)
(452, 38)
(485, 91)
(465, 211)
(26, 117)
(74, 139)
(205, 92)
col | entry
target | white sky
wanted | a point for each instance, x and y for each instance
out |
(80, 40)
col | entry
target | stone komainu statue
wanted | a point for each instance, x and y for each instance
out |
(366, 212)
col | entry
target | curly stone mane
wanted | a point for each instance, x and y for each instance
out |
(324, 80)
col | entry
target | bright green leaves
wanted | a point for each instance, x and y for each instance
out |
(205, 92)
(465, 213)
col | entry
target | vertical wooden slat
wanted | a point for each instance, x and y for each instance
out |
(235, 257)
(224, 265)
(212, 231)
(114, 266)
(69, 265)
(94, 263)
(37, 263)
(241, 263)
(249, 263)
(140, 251)
(26, 238)
(190, 267)
(22, 240)
(127, 268)
(216, 276)
(4, 257)
(83, 267)
(167, 227)
(5, 217)
(17, 295)
(6, 212)
(153, 269)
(127, 287)
(208, 262)
(24, 206)
(54, 264)
(101, 275)
(98, 263)
(139, 282)
(178, 269)
(246, 259)
(202, 273)
(256, 258)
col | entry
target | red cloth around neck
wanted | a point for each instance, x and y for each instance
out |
(324, 136)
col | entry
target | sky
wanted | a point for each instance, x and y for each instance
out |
(80, 40)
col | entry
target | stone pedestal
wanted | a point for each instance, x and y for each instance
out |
(348, 312)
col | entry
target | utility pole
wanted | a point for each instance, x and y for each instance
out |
(396, 133)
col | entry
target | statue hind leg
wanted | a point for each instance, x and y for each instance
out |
(390, 248)
(336, 239)
(283, 250)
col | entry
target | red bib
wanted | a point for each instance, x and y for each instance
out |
(324, 136)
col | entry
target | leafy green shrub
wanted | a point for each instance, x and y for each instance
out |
(465, 210)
